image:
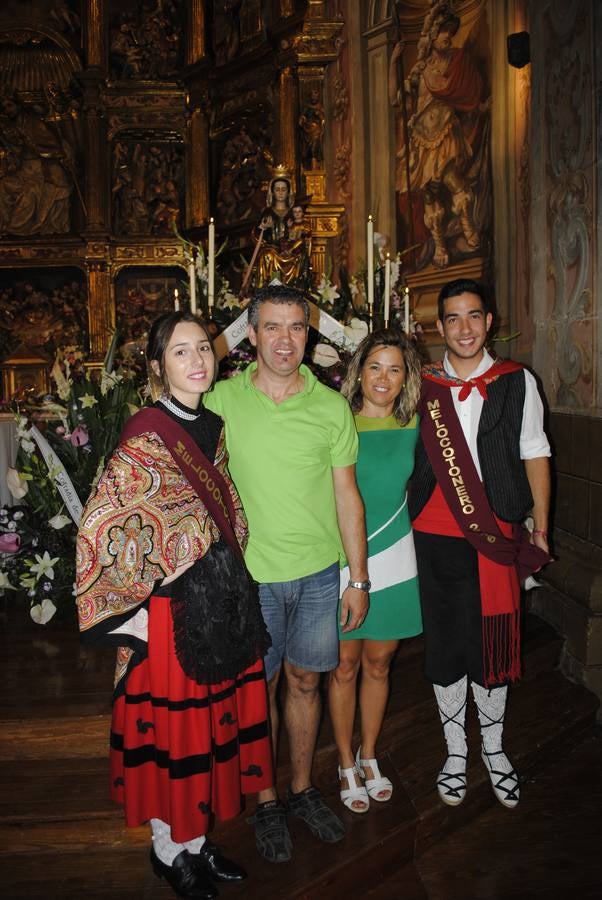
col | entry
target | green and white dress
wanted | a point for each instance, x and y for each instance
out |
(385, 463)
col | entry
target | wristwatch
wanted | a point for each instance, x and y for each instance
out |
(360, 585)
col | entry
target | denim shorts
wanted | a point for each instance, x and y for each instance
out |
(301, 616)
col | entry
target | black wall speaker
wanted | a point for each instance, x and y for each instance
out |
(519, 49)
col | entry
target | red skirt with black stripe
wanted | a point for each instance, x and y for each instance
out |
(185, 752)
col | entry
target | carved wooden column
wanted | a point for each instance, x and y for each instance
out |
(96, 47)
(288, 108)
(197, 163)
(97, 190)
(101, 305)
(197, 122)
(195, 38)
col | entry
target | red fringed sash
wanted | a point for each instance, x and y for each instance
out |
(498, 543)
(208, 483)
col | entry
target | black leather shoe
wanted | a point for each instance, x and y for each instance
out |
(210, 860)
(184, 877)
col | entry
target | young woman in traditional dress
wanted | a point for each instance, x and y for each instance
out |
(160, 575)
(383, 386)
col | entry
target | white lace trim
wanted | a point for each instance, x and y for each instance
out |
(168, 404)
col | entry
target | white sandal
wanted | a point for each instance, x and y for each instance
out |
(355, 793)
(378, 783)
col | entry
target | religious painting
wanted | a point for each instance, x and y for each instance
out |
(147, 190)
(43, 308)
(441, 90)
(142, 294)
(146, 39)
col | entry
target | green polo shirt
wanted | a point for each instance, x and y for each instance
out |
(281, 461)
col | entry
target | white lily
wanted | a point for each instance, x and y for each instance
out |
(229, 301)
(44, 565)
(43, 612)
(327, 291)
(5, 584)
(16, 485)
(25, 435)
(63, 385)
(59, 521)
(88, 400)
(108, 380)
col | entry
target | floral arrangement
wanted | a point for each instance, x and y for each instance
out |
(64, 439)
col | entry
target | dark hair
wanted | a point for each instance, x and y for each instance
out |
(461, 286)
(160, 334)
(276, 293)
(407, 400)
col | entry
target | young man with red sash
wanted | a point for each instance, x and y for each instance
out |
(481, 467)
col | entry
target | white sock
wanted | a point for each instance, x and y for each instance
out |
(165, 848)
(451, 701)
(195, 845)
(491, 708)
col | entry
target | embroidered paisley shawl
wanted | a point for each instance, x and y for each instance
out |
(142, 521)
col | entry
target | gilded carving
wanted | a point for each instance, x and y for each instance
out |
(569, 129)
(146, 40)
(244, 166)
(42, 308)
(342, 169)
(318, 42)
(147, 185)
(38, 177)
(311, 128)
(340, 105)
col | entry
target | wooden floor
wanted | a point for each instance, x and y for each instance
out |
(60, 837)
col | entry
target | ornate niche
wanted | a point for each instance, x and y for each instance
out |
(41, 310)
(141, 294)
(41, 173)
(147, 183)
(146, 39)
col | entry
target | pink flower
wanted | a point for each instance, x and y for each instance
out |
(79, 436)
(60, 430)
(9, 543)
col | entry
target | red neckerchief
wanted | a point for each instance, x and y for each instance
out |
(436, 372)
(208, 483)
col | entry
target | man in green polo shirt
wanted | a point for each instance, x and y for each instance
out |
(293, 446)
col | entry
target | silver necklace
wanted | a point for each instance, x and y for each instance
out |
(168, 404)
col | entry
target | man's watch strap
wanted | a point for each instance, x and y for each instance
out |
(360, 585)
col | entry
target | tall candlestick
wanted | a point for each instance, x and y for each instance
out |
(370, 265)
(192, 281)
(211, 267)
(406, 310)
(176, 302)
(387, 295)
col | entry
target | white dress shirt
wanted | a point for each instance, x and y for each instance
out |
(533, 440)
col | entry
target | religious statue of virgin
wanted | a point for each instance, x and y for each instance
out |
(283, 237)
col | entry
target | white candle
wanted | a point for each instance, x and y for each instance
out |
(387, 294)
(176, 302)
(406, 310)
(211, 266)
(370, 264)
(192, 280)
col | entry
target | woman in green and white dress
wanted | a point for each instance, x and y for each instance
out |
(382, 386)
